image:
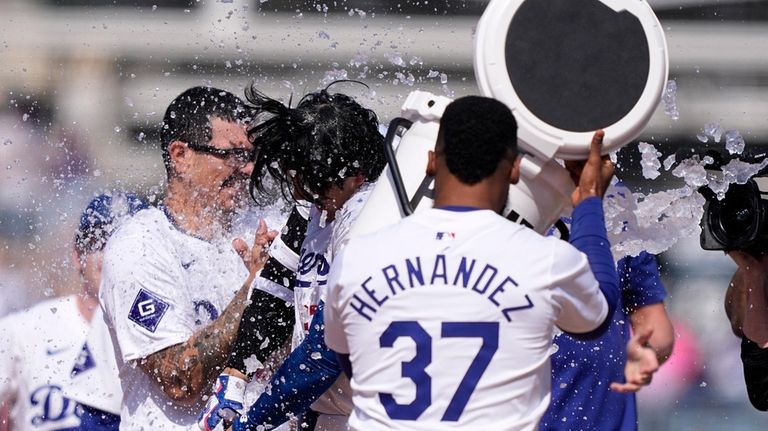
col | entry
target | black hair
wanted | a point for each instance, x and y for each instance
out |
(325, 139)
(188, 117)
(477, 133)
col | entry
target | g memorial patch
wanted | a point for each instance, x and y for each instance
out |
(147, 310)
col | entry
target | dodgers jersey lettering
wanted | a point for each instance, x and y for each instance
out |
(448, 318)
(322, 243)
(37, 348)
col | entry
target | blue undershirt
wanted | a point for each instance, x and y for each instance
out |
(582, 371)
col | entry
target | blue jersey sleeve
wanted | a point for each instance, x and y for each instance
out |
(640, 281)
(305, 375)
(589, 236)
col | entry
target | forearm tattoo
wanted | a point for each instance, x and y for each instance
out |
(185, 370)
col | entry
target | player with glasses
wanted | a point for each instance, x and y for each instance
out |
(233, 157)
(175, 284)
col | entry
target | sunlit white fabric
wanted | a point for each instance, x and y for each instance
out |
(93, 379)
(159, 286)
(447, 285)
(322, 243)
(37, 348)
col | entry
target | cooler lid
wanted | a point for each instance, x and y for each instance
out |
(569, 67)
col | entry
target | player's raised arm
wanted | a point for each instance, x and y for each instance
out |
(184, 369)
(266, 325)
(268, 321)
(589, 236)
(309, 371)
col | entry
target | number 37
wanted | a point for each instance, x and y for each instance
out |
(415, 369)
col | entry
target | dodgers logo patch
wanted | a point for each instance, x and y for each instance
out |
(147, 310)
(205, 312)
(84, 361)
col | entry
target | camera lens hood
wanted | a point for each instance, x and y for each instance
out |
(736, 222)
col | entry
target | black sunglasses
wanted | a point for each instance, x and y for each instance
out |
(234, 157)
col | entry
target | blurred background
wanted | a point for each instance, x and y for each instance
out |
(84, 85)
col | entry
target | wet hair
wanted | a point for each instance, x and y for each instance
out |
(101, 217)
(325, 139)
(188, 117)
(477, 133)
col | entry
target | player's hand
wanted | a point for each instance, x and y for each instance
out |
(641, 364)
(591, 176)
(255, 257)
(225, 404)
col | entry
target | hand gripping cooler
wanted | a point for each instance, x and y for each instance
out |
(565, 68)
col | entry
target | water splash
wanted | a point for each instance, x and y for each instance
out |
(649, 160)
(669, 98)
(734, 142)
(654, 222)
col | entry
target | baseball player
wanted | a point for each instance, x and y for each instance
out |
(326, 151)
(593, 381)
(445, 320)
(38, 345)
(174, 284)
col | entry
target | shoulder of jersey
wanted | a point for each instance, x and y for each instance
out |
(47, 310)
(352, 208)
(149, 223)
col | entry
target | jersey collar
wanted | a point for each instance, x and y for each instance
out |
(459, 208)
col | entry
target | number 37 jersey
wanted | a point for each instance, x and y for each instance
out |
(448, 318)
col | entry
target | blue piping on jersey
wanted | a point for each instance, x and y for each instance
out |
(459, 208)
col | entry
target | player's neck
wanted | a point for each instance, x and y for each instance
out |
(455, 193)
(336, 196)
(192, 216)
(86, 305)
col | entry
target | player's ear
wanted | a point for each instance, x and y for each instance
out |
(78, 264)
(352, 183)
(358, 181)
(431, 168)
(179, 152)
(514, 173)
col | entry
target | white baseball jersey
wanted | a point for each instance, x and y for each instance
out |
(448, 318)
(93, 378)
(37, 347)
(159, 286)
(322, 242)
